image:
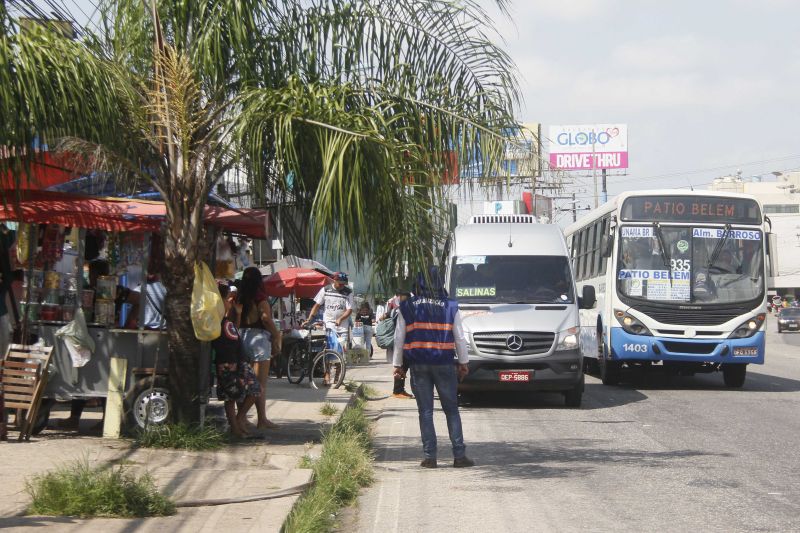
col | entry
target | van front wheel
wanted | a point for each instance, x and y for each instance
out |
(574, 396)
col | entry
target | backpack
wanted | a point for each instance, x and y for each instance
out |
(384, 332)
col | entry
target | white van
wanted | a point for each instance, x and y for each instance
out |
(514, 283)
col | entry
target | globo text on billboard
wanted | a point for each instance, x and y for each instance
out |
(589, 146)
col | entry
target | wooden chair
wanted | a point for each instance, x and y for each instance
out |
(23, 376)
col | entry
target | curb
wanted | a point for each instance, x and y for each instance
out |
(358, 393)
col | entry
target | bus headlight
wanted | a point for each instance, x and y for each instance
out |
(749, 328)
(567, 340)
(631, 324)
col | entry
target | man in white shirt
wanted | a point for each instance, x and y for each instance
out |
(337, 303)
(153, 302)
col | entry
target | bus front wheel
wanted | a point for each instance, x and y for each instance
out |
(734, 374)
(609, 370)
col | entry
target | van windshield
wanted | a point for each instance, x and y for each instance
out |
(535, 279)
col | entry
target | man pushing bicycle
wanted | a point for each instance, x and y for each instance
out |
(337, 302)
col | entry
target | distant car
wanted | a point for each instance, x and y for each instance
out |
(789, 319)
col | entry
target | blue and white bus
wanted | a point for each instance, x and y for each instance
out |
(680, 279)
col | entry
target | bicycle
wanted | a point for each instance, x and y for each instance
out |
(319, 359)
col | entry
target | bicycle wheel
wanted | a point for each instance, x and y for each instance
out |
(296, 364)
(328, 370)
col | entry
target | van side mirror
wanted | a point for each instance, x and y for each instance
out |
(588, 299)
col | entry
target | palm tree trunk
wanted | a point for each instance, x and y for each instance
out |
(181, 247)
(184, 348)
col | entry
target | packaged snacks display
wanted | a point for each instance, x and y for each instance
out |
(69, 283)
(50, 312)
(106, 287)
(71, 298)
(33, 311)
(52, 280)
(52, 296)
(104, 311)
(87, 298)
(52, 243)
(35, 280)
(67, 313)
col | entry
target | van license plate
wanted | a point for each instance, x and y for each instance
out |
(745, 351)
(515, 376)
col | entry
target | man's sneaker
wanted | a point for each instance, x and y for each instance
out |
(403, 395)
(428, 463)
(463, 462)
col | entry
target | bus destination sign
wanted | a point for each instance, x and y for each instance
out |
(692, 209)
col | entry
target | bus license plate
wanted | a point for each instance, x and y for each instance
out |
(745, 351)
(514, 376)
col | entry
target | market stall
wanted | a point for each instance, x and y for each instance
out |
(85, 256)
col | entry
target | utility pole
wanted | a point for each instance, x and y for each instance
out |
(574, 209)
(574, 204)
(594, 177)
(605, 188)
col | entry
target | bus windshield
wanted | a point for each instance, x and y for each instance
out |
(511, 279)
(696, 264)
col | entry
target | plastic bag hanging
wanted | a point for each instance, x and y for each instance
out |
(207, 308)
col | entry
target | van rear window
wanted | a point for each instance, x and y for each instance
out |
(534, 279)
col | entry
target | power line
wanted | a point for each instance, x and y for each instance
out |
(697, 171)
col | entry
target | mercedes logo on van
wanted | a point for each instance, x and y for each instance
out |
(514, 343)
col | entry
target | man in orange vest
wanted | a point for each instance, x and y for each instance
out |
(429, 337)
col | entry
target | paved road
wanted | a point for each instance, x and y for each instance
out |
(679, 455)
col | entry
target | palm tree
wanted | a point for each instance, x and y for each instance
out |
(362, 103)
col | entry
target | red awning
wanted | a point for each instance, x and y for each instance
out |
(303, 282)
(251, 222)
(109, 214)
(117, 214)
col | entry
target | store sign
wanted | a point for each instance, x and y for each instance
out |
(587, 147)
(503, 207)
(693, 209)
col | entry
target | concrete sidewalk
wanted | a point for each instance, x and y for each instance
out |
(255, 467)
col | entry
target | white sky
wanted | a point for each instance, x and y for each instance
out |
(701, 84)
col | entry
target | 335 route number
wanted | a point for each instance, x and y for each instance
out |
(638, 348)
(681, 265)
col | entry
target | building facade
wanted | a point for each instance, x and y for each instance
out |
(781, 201)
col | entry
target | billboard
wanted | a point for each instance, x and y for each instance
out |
(588, 146)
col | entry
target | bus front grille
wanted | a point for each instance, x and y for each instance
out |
(496, 342)
(689, 318)
(694, 348)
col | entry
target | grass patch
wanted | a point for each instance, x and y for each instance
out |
(305, 462)
(370, 391)
(351, 386)
(182, 437)
(76, 489)
(344, 467)
(328, 409)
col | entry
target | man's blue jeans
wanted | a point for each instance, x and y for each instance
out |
(423, 379)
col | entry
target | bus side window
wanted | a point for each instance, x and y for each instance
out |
(603, 260)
